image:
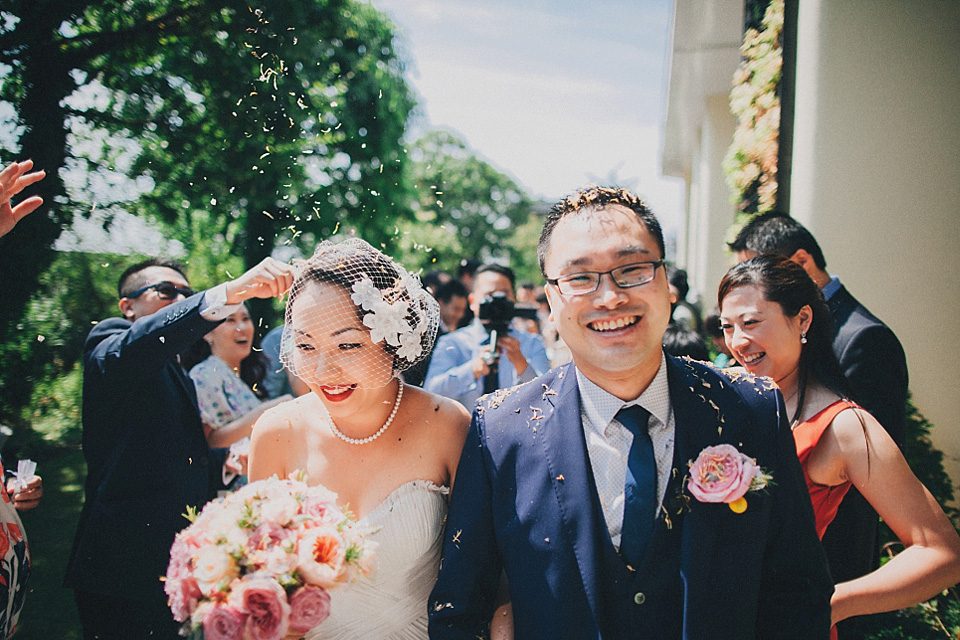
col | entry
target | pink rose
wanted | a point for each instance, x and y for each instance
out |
(223, 622)
(268, 534)
(721, 474)
(182, 591)
(320, 509)
(266, 602)
(182, 596)
(309, 606)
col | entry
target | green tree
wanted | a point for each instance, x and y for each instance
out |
(77, 290)
(285, 114)
(235, 123)
(467, 206)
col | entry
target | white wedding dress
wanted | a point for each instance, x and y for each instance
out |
(391, 603)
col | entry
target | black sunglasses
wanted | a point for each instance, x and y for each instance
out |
(166, 291)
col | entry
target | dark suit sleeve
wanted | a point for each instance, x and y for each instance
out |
(795, 587)
(876, 367)
(463, 599)
(115, 347)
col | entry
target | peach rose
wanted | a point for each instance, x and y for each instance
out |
(322, 553)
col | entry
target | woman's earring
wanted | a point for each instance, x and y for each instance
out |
(803, 337)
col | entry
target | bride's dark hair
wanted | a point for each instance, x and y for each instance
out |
(786, 283)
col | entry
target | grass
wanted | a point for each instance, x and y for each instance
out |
(49, 610)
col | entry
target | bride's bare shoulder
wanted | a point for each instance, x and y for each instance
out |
(443, 414)
(289, 417)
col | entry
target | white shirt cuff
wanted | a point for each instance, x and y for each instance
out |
(214, 305)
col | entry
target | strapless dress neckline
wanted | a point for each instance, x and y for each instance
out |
(391, 602)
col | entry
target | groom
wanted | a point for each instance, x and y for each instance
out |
(574, 485)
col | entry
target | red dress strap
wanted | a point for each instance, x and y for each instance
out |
(807, 434)
(825, 499)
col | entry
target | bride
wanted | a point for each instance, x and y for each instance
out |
(354, 320)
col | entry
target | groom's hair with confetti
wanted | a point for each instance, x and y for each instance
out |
(594, 199)
(390, 304)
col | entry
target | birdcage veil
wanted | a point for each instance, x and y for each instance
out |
(355, 317)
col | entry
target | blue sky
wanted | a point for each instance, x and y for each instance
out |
(557, 94)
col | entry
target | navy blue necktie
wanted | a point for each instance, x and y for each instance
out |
(640, 489)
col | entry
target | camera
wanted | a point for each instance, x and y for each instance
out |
(497, 311)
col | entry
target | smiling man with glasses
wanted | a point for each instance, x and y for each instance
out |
(147, 457)
(575, 486)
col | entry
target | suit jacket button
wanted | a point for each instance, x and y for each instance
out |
(639, 598)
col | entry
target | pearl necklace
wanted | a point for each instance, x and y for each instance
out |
(348, 439)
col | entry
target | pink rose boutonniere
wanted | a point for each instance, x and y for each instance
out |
(723, 474)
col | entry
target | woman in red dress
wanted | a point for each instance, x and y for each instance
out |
(776, 324)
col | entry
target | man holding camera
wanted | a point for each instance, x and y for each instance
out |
(486, 355)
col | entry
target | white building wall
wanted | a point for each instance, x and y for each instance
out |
(876, 176)
(698, 128)
(717, 212)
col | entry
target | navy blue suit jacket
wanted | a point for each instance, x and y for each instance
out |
(525, 503)
(873, 361)
(147, 457)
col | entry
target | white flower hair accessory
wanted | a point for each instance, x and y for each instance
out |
(400, 314)
(387, 321)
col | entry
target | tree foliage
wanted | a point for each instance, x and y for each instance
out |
(471, 208)
(240, 125)
(287, 115)
(78, 290)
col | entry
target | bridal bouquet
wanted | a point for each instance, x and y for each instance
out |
(258, 562)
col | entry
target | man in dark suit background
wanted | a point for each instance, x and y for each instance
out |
(874, 363)
(147, 457)
(574, 487)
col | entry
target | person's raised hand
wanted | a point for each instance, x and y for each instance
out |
(13, 179)
(269, 279)
(481, 361)
(510, 347)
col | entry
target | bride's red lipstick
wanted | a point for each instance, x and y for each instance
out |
(339, 396)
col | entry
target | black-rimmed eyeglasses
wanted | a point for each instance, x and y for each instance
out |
(629, 275)
(166, 291)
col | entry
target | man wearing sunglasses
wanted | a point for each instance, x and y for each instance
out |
(147, 458)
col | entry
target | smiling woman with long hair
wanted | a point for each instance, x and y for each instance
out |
(228, 373)
(776, 324)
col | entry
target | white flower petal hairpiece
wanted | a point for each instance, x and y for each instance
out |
(390, 302)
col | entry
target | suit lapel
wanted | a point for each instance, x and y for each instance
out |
(841, 305)
(697, 419)
(572, 477)
(700, 423)
(184, 382)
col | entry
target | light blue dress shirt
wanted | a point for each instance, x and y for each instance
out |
(451, 370)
